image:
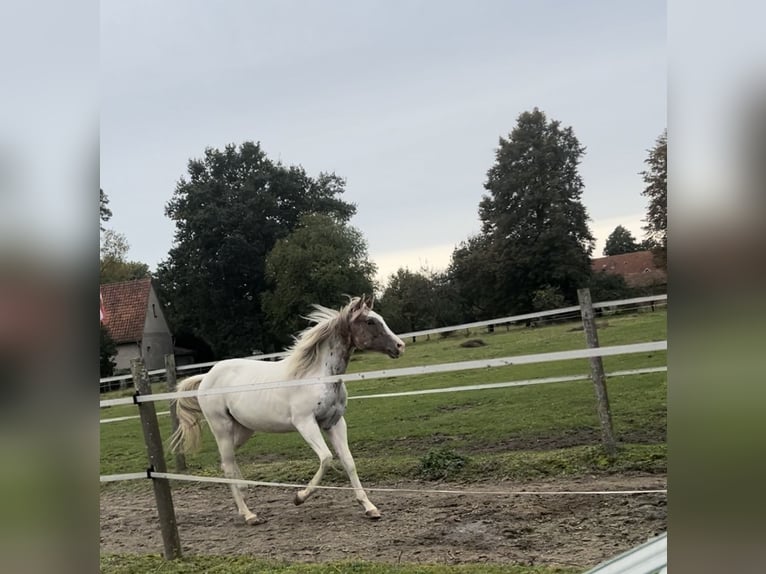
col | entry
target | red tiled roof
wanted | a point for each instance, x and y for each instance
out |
(637, 268)
(125, 305)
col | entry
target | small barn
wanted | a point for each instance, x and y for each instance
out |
(135, 321)
(637, 268)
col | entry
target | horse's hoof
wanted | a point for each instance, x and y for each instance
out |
(255, 520)
(373, 514)
(297, 501)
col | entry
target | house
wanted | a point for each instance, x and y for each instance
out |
(135, 321)
(637, 268)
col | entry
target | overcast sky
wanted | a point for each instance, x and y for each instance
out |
(404, 99)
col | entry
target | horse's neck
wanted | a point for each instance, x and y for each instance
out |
(334, 357)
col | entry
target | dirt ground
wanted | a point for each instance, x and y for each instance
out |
(570, 530)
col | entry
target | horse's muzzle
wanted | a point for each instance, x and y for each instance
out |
(397, 351)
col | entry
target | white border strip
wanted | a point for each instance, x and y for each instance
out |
(407, 371)
(243, 482)
(649, 557)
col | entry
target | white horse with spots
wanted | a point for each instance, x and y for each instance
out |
(323, 349)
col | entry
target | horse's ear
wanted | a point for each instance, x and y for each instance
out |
(371, 301)
(358, 308)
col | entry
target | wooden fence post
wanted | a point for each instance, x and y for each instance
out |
(170, 372)
(153, 439)
(597, 371)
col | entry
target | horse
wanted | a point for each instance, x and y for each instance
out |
(324, 348)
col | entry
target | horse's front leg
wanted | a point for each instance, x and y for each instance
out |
(309, 430)
(339, 439)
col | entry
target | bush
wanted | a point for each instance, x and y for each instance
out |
(441, 463)
(547, 298)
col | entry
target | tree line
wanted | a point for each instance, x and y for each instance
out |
(256, 242)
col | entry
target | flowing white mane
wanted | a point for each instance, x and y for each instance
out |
(327, 323)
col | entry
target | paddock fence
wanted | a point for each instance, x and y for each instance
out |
(554, 315)
(156, 471)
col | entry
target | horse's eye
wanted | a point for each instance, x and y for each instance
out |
(370, 321)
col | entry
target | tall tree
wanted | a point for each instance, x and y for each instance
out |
(533, 214)
(105, 214)
(620, 241)
(114, 265)
(321, 261)
(229, 212)
(472, 272)
(656, 179)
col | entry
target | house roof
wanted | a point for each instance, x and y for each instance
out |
(637, 268)
(125, 305)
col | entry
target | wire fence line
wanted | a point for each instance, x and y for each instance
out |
(151, 474)
(563, 313)
(405, 371)
(156, 472)
(477, 387)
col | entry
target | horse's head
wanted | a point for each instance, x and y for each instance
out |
(369, 331)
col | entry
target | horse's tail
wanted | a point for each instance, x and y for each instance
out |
(188, 435)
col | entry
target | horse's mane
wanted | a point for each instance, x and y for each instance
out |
(302, 355)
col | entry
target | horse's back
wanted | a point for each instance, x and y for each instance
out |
(235, 372)
(268, 410)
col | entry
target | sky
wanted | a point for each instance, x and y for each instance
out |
(404, 99)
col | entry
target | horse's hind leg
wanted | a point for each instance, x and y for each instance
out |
(339, 439)
(224, 431)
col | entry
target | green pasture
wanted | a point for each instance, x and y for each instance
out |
(516, 434)
(551, 422)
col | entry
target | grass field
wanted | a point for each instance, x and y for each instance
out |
(514, 433)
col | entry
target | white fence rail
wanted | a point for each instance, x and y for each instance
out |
(405, 371)
(650, 299)
(478, 387)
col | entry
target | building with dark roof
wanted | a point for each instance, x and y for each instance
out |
(637, 268)
(135, 321)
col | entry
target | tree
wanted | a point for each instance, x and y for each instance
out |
(656, 179)
(229, 212)
(114, 266)
(107, 350)
(547, 298)
(414, 301)
(609, 287)
(536, 223)
(105, 213)
(472, 273)
(620, 241)
(321, 261)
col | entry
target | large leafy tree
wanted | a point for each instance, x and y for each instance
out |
(656, 179)
(114, 265)
(229, 212)
(533, 214)
(472, 272)
(621, 241)
(322, 261)
(414, 301)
